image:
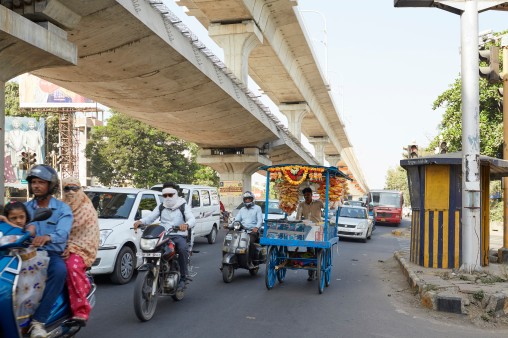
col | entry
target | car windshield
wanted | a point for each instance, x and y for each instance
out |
(356, 203)
(273, 207)
(353, 212)
(111, 204)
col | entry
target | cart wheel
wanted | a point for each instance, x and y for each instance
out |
(328, 271)
(271, 262)
(321, 258)
(283, 256)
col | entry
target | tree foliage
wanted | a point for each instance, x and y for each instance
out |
(128, 152)
(396, 179)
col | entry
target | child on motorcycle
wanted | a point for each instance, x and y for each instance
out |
(15, 214)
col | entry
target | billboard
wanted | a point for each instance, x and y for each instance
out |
(230, 188)
(22, 134)
(35, 92)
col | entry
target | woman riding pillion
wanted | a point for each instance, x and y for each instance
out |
(251, 217)
(172, 216)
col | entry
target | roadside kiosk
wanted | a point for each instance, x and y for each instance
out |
(435, 188)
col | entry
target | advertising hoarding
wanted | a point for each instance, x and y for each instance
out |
(230, 188)
(35, 92)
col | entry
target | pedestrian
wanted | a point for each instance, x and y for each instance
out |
(50, 235)
(81, 248)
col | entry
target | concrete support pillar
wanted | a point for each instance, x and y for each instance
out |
(319, 147)
(333, 159)
(237, 40)
(295, 114)
(235, 168)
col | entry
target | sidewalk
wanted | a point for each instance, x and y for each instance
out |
(483, 294)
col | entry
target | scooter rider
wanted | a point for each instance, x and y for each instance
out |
(251, 217)
(50, 235)
(171, 216)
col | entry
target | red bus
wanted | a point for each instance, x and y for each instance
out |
(386, 206)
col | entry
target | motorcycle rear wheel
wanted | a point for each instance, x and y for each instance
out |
(144, 303)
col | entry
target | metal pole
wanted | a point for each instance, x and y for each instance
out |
(471, 221)
(2, 137)
(504, 45)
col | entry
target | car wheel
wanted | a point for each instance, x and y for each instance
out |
(212, 236)
(124, 266)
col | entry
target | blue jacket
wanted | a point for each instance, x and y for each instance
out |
(58, 226)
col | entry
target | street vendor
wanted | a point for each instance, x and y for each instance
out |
(309, 209)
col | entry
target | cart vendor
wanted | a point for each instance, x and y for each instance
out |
(309, 209)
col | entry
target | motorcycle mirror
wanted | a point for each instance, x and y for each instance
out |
(42, 214)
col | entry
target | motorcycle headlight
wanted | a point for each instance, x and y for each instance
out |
(148, 243)
(103, 236)
(237, 225)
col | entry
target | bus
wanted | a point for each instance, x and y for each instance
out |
(385, 206)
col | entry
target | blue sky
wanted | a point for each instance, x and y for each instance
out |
(386, 66)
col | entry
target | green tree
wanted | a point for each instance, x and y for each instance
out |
(396, 179)
(126, 151)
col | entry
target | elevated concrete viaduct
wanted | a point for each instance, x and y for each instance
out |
(138, 58)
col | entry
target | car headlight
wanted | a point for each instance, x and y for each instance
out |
(341, 225)
(148, 243)
(361, 226)
(103, 236)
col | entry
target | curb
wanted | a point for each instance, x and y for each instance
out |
(495, 304)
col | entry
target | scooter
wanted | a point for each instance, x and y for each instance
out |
(60, 324)
(235, 252)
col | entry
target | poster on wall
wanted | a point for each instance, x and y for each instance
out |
(22, 134)
(35, 92)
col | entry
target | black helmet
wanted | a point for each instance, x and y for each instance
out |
(46, 173)
(247, 195)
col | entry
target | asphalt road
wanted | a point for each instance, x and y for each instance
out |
(360, 302)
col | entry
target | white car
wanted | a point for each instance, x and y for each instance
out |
(274, 212)
(118, 209)
(354, 222)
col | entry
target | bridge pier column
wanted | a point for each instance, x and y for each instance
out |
(234, 167)
(237, 40)
(319, 147)
(295, 112)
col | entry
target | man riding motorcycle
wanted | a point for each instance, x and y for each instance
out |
(51, 236)
(251, 217)
(171, 216)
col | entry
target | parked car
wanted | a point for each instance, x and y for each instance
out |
(274, 212)
(205, 205)
(354, 222)
(118, 209)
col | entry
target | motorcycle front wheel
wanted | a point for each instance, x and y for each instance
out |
(144, 303)
(228, 271)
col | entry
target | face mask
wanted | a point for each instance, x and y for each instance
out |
(170, 202)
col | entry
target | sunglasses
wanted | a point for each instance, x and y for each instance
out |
(71, 187)
(168, 195)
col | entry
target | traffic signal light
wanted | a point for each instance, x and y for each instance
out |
(23, 165)
(443, 147)
(491, 56)
(405, 154)
(32, 159)
(412, 151)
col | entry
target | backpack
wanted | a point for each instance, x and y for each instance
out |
(181, 207)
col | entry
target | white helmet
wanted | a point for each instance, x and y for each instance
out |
(247, 195)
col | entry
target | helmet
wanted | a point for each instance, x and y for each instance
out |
(247, 195)
(46, 173)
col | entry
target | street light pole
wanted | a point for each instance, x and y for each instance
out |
(325, 39)
(504, 250)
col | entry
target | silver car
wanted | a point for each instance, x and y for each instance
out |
(354, 222)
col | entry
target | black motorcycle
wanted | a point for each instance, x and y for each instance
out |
(235, 252)
(159, 275)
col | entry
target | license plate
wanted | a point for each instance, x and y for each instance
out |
(149, 254)
(229, 237)
(383, 220)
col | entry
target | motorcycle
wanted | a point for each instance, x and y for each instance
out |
(236, 255)
(15, 243)
(159, 275)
